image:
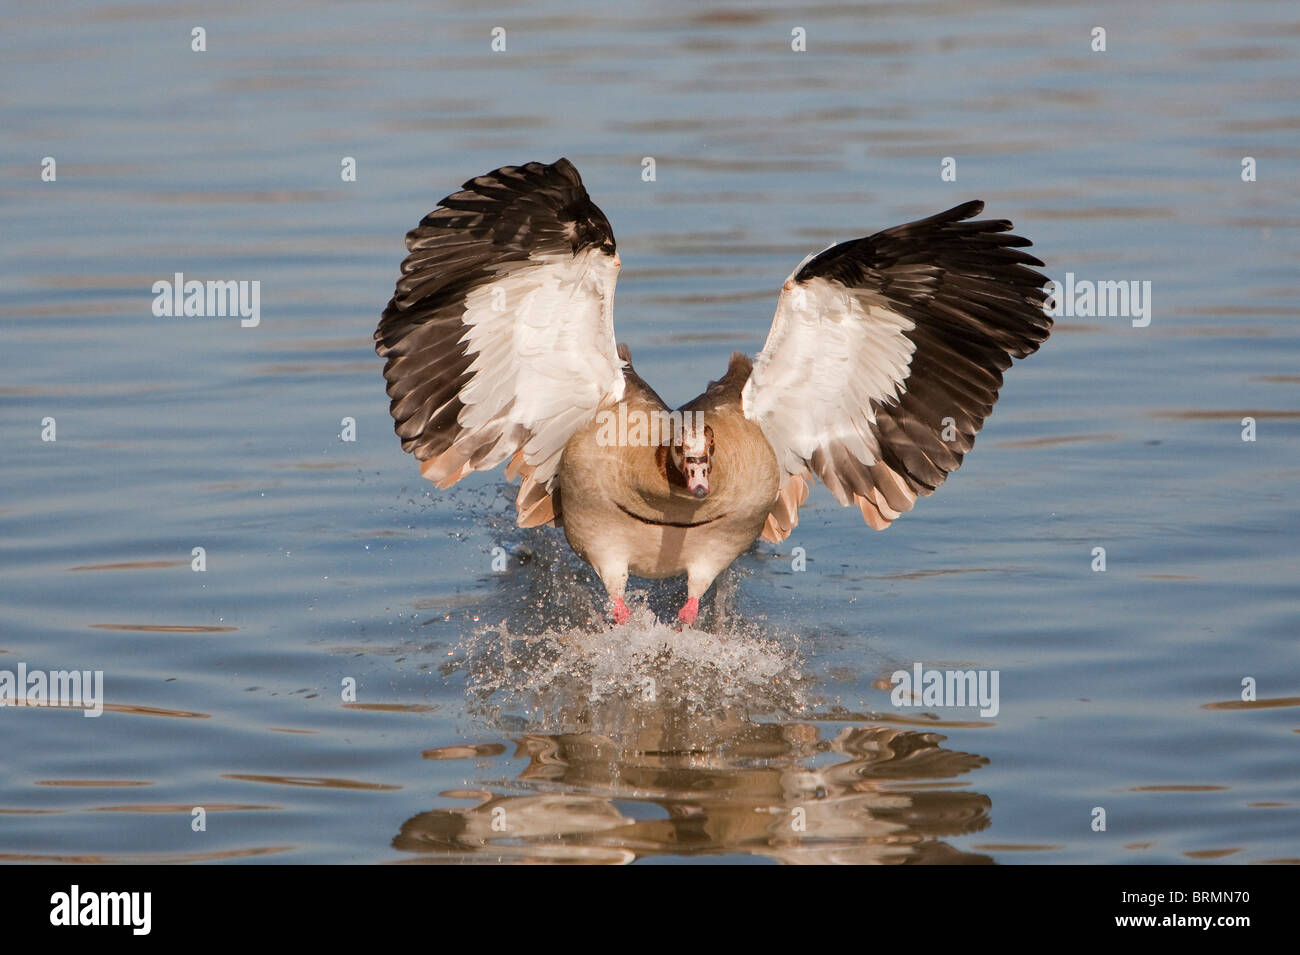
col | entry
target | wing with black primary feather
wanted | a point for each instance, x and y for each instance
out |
(499, 338)
(886, 356)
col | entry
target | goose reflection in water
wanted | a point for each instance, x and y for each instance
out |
(778, 790)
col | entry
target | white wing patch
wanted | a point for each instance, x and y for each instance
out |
(542, 337)
(830, 352)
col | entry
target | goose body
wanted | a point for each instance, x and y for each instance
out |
(882, 362)
(627, 510)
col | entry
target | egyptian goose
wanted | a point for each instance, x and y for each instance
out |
(883, 360)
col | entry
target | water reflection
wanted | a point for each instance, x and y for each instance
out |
(788, 791)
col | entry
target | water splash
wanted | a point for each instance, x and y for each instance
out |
(615, 679)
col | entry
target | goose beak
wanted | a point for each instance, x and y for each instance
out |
(697, 476)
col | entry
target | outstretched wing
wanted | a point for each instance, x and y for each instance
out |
(499, 339)
(886, 355)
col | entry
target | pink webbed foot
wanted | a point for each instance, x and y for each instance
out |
(619, 609)
(690, 610)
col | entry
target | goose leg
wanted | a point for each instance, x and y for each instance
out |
(690, 610)
(614, 576)
(699, 578)
(619, 609)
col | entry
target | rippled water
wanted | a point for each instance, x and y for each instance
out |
(495, 718)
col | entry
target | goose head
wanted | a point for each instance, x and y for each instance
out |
(692, 456)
